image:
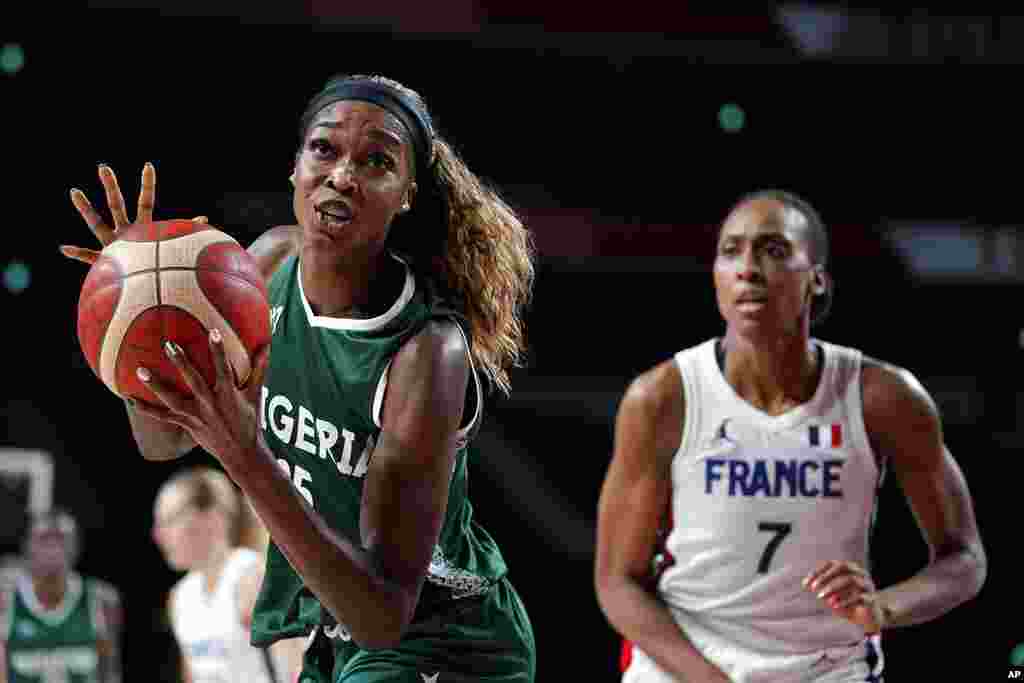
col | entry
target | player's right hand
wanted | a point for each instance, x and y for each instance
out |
(115, 203)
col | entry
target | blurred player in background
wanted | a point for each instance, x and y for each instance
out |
(767, 447)
(56, 625)
(205, 527)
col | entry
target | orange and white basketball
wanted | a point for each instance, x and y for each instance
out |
(170, 281)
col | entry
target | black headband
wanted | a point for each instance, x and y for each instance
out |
(395, 102)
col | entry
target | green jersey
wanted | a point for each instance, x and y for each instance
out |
(52, 646)
(320, 416)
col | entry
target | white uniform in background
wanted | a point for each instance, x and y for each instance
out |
(758, 503)
(213, 641)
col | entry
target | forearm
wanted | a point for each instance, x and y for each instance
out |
(336, 570)
(639, 616)
(158, 440)
(944, 584)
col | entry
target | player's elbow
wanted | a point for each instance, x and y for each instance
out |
(613, 590)
(969, 567)
(159, 454)
(977, 569)
(387, 624)
(379, 638)
(163, 449)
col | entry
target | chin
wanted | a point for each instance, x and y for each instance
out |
(178, 564)
(755, 328)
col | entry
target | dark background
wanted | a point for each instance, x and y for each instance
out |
(605, 135)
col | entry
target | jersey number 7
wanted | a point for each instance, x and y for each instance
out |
(781, 530)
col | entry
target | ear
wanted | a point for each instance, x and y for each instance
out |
(410, 195)
(819, 284)
(292, 178)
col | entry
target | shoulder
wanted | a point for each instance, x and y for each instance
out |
(899, 413)
(248, 568)
(431, 371)
(104, 591)
(657, 392)
(274, 246)
(177, 592)
(890, 392)
(246, 556)
(649, 422)
(107, 603)
(437, 352)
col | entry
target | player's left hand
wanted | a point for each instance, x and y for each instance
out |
(849, 592)
(221, 418)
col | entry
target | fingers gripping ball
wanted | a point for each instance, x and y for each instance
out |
(170, 281)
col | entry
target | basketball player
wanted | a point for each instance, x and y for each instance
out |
(395, 300)
(767, 448)
(197, 525)
(54, 623)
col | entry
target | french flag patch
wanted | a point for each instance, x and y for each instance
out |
(825, 436)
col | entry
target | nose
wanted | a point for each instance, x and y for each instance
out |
(341, 178)
(749, 267)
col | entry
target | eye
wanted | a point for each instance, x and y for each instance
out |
(320, 147)
(776, 250)
(379, 159)
(728, 249)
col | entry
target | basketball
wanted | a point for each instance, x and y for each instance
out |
(170, 281)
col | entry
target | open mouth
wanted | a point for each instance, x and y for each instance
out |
(334, 213)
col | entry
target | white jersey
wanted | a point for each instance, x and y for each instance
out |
(758, 502)
(207, 626)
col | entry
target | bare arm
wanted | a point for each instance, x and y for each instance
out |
(372, 586)
(109, 645)
(636, 492)
(904, 426)
(159, 440)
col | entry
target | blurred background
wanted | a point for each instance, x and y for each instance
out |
(623, 133)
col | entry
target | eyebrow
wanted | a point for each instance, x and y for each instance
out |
(380, 134)
(763, 237)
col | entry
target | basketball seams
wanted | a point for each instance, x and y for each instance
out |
(93, 324)
(209, 316)
(161, 229)
(204, 283)
(132, 303)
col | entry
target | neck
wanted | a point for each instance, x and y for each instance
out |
(773, 376)
(50, 589)
(212, 569)
(352, 287)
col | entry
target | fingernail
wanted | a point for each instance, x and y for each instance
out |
(103, 164)
(149, 164)
(821, 594)
(215, 336)
(75, 189)
(143, 374)
(169, 349)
